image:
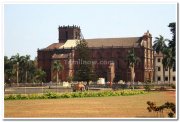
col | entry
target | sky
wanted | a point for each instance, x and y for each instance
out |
(28, 27)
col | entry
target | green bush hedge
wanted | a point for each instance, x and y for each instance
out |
(53, 95)
(173, 86)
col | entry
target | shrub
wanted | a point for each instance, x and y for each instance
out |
(10, 97)
(136, 87)
(147, 87)
(124, 86)
(162, 88)
(75, 94)
(173, 86)
(65, 95)
(168, 105)
(52, 95)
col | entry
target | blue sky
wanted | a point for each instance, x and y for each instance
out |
(28, 27)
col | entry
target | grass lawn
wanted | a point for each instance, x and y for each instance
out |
(102, 107)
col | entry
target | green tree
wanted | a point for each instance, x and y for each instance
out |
(26, 66)
(85, 71)
(57, 67)
(8, 70)
(20, 69)
(172, 42)
(69, 78)
(17, 61)
(168, 60)
(32, 69)
(159, 46)
(132, 61)
(40, 75)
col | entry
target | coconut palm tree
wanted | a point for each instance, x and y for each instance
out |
(132, 60)
(159, 46)
(26, 66)
(32, 70)
(40, 75)
(168, 60)
(57, 66)
(17, 60)
(8, 70)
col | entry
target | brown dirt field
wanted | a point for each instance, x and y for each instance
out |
(101, 107)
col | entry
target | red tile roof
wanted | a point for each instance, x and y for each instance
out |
(54, 46)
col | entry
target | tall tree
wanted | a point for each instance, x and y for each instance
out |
(168, 60)
(159, 46)
(172, 43)
(85, 71)
(26, 66)
(21, 69)
(17, 60)
(8, 70)
(57, 67)
(32, 70)
(40, 75)
(132, 60)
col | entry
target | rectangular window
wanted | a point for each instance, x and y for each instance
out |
(159, 78)
(174, 78)
(159, 68)
(166, 78)
(159, 60)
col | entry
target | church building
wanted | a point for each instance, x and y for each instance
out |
(109, 55)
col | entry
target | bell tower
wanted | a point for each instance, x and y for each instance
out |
(68, 32)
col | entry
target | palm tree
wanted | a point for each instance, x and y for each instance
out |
(32, 70)
(132, 60)
(159, 46)
(57, 66)
(168, 60)
(8, 70)
(40, 75)
(26, 65)
(17, 60)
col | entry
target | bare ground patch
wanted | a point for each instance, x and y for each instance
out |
(100, 107)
